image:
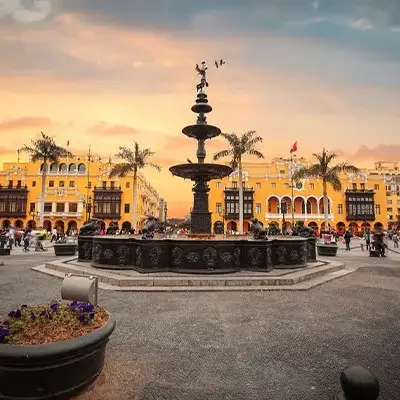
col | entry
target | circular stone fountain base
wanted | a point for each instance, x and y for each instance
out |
(196, 256)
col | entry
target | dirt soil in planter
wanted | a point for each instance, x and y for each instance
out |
(50, 323)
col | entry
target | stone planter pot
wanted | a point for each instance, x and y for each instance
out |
(5, 252)
(327, 250)
(65, 249)
(57, 370)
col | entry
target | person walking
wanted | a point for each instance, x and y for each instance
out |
(395, 240)
(367, 236)
(347, 238)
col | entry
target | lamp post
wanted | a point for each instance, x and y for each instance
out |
(222, 215)
(165, 215)
(88, 208)
(284, 210)
(34, 214)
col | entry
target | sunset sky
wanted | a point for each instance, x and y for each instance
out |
(105, 73)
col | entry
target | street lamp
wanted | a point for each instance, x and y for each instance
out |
(34, 214)
(165, 215)
(222, 214)
(88, 208)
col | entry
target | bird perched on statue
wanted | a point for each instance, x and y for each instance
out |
(219, 63)
(189, 161)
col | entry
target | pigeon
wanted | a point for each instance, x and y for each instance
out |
(198, 68)
(189, 161)
(216, 64)
(222, 62)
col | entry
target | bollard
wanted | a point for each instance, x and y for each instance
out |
(80, 288)
(357, 384)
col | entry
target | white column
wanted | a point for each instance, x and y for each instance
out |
(66, 207)
(53, 207)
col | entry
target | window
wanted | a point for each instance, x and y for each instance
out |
(390, 209)
(127, 185)
(390, 216)
(112, 184)
(60, 207)
(234, 184)
(218, 185)
(258, 185)
(312, 186)
(362, 186)
(51, 183)
(273, 185)
(104, 183)
(10, 184)
(389, 201)
(286, 185)
(282, 171)
(376, 187)
(247, 208)
(218, 208)
(61, 184)
(89, 185)
(19, 184)
(354, 186)
(377, 209)
(34, 184)
(71, 184)
(73, 207)
(340, 208)
(32, 207)
(126, 208)
(47, 207)
(258, 208)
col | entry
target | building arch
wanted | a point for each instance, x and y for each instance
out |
(313, 225)
(273, 204)
(31, 224)
(246, 226)
(218, 227)
(353, 226)
(365, 225)
(312, 204)
(126, 226)
(63, 167)
(19, 223)
(286, 226)
(340, 228)
(276, 224)
(321, 205)
(322, 228)
(231, 226)
(5, 223)
(378, 225)
(82, 168)
(60, 226)
(72, 167)
(47, 225)
(53, 167)
(72, 225)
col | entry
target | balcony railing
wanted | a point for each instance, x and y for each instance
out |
(12, 214)
(236, 189)
(101, 215)
(297, 216)
(16, 188)
(236, 216)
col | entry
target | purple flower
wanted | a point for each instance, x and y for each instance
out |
(15, 314)
(82, 318)
(43, 313)
(3, 333)
(74, 304)
(54, 307)
(11, 314)
(33, 316)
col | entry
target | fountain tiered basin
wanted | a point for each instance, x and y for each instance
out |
(216, 255)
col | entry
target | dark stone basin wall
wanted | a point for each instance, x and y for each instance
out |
(195, 256)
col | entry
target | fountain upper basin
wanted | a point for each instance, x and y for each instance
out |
(201, 170)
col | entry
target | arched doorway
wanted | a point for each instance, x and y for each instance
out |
(365, 226)
(47, 225)
(322, 229)
(288, 201)
(19, 224)
(353, 226)
(59, 225)
(102, 226)
(313, 225)
(246, 226)
(31, 224)
(312, 205)
(299, 205)
(273, 205)
(232, 226)
(321, 206)
(340, 228)
(72, 225)
(218, 227)
(5, 224)
(378, 225)
(126, 226)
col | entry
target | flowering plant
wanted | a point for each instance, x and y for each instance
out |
(28, 325)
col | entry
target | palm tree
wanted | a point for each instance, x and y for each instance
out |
(46, 150)
(240, 145)
(133, 160)
(328, 174)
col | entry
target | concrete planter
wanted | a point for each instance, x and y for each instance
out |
(327, 250)
(5, 251)
(57, 370)
(65, 249)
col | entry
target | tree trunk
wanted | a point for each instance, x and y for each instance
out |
(240, 198)
(41, 210)
(326, 202)
(134, 202)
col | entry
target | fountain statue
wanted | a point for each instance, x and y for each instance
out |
(201, 173)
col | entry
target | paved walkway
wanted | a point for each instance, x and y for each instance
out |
(258, 345)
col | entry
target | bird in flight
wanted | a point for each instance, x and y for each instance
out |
(189, 161)
(219, 63)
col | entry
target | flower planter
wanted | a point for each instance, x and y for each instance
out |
(5, 251)
(327, 250)
(65, 249)
(56, 370)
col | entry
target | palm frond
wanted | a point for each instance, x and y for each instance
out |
(256, 153)
(155, 166)
(346, 168)
(221, 154)
(121, 170)
(313, 171)
(334, 180)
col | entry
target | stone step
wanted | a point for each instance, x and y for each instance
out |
(113, 279)
(301, 286)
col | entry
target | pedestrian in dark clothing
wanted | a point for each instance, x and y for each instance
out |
(347, 237)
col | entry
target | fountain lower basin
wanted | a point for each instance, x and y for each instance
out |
(196, 256)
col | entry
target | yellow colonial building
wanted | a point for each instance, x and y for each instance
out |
(270, 196)
(76, 189)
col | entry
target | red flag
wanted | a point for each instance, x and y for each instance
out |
(294, 147)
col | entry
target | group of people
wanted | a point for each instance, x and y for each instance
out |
(12, 237)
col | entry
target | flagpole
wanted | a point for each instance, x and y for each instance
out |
(87, 184)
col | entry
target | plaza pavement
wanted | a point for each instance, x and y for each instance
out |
(238, 345)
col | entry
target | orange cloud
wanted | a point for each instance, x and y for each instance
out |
(25, 123)
(112, 130)
(5, 150)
